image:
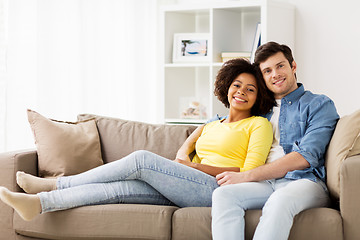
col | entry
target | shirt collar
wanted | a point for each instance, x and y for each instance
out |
(296, 94)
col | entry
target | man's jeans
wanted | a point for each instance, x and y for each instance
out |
(280, 200)
(141, 177)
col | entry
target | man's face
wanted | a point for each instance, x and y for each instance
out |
(279, 76)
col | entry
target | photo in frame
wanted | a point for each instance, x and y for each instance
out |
(191, 47)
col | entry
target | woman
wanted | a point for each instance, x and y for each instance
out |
(238, 143)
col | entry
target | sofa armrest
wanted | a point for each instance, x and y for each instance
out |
(350, 196)
(10, 163)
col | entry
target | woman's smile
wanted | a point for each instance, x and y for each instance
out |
(240, 99)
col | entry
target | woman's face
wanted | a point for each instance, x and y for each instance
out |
(242, 92)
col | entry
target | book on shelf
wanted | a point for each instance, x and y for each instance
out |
(256, 43)
(226, 56)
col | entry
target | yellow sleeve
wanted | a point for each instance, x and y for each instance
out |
(196, 159)
(260, 142)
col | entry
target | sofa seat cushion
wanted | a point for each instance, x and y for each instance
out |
(195, 223)
(192, 223)
(317, 223)
(112, 221)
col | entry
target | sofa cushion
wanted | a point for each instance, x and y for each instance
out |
(120, 137)
(195, 223)
(317, 223)
(344, 143)
(192, 223)
(65, 148)
(111, 221)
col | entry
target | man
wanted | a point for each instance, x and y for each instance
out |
(293, 178)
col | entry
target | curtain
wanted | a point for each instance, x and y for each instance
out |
(3, 70)
(67, 57)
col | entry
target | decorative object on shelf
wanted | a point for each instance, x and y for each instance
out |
(194, 109)
(226, 56)
(256, 43)
(191, 47)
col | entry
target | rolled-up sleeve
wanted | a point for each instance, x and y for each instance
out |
(321, 124)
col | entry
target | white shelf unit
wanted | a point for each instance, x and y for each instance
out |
(232, 26)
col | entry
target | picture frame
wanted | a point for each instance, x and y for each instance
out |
(191, 47)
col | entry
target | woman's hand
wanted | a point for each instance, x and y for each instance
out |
(189, 145)
(185, 162)
(211, 170)
(183, 157)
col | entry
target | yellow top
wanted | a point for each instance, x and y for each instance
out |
(244, 144)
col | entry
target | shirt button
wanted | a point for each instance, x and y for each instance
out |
(290, 102)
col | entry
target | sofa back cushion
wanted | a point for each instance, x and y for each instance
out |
(344, 143)
(120, 137)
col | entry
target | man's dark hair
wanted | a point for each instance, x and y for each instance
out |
(271, 48)
(229, 71)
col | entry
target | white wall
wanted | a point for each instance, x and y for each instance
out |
(327, 44)
(326, 51)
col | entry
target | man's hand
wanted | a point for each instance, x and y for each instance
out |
(227, 178)
(276, 169)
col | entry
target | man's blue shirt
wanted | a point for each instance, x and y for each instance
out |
(306, 122)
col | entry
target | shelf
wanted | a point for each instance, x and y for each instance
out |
(231, 26)
(194, 6)
(217, 64)
(180, 65)
(185, 121)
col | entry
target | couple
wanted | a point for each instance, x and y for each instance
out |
(230, 152)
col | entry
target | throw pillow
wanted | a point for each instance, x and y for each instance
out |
(65, 148)
(344, 143)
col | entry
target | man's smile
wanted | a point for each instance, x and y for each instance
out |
(279, 81)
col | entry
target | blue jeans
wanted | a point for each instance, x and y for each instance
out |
(280, 200)
(141, 177)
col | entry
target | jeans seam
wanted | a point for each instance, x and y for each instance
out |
(73, 206)
(108, 199)
(173, 174)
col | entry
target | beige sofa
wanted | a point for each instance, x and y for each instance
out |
(131, 221)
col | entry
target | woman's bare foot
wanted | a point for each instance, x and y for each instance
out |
(27, 206)
(33, 184)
